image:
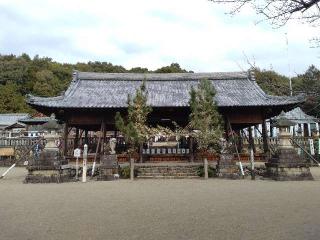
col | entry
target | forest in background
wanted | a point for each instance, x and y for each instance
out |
(41, 76)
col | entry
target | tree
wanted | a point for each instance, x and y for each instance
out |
(272, 83)
(309, 84)
(173, 68)
(205, 119)
(11, 101)
(135, 129)
(279, 12)
(47, 84)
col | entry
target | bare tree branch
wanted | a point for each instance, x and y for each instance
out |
(279, 12)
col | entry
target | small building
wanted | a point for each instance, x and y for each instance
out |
(34, 125)
(92, 99)
(10, 125)
(306, 125)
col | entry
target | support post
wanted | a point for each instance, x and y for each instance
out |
(226, 128)
(131, 169)
(65, 147)
(251, 141)
(76, 140)
(140, 153)
(265, 137)
(306, 130)
(253, 175)
(84, 163)
(86, 136)
(206, 175)
(104, 133)
(191, 149)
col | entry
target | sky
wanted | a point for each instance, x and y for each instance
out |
(197, 34)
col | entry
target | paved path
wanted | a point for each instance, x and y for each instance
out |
(159, 209)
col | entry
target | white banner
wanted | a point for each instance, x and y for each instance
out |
(311, 145)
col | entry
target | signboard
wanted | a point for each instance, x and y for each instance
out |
(77, 152)
(311, 146)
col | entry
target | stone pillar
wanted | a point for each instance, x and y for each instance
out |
(205, 168)
(131, 169)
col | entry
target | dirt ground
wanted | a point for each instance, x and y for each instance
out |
(159, 209)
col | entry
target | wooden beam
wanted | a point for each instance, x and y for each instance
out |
(65, 147)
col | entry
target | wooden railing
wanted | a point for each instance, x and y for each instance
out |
(21, 141)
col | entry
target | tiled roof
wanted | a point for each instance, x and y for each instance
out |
(35, 120)
(8, 119)
(110, 90)
(298, 116)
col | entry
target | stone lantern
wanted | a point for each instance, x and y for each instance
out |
(47, 168)
(286, 164)
(52, 136)
(109, 163)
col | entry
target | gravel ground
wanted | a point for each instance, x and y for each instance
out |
(159, 209)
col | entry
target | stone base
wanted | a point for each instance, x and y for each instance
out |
(48, 176)
(227, 168)
(283, 173)
(166, 170)
(106, 174)
(230, 172)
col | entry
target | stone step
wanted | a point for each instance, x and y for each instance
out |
(167, 171)
(167, 177)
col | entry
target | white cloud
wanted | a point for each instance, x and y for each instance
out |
(150, 33)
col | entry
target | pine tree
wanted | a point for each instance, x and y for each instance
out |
(205, 119)
(135, 129)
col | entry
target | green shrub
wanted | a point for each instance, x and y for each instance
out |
(124, 172)
(211, 171)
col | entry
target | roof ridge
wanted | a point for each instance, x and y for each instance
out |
(161, 76)
(14, 114)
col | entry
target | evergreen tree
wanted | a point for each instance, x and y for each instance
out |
(11, 101)
(205, 119)
(309, 84)
(135, 129)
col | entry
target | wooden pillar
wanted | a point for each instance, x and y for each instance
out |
(226, 128)
(251, 141)
(191, 149)
(76, 140)
(86, 136)
(239, 140)
(104, 133)
(265, 137)
(140, 153)
(305, 130)
(66, 131)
